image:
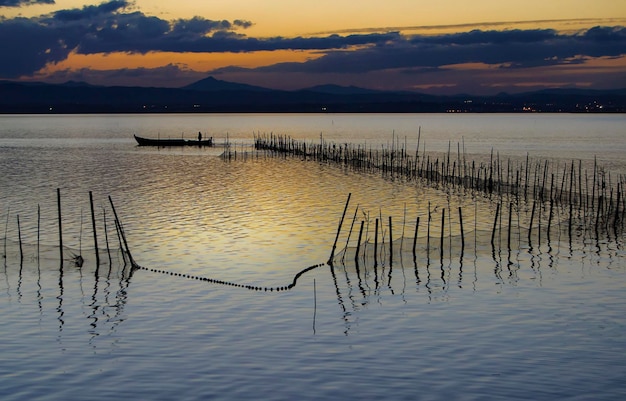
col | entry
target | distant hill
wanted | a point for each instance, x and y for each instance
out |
(211, 84)
(340, 90)
(213, 95)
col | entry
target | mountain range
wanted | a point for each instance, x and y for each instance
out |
(213, 95)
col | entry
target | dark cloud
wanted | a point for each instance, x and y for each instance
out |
(242, 23)
(32, 43)
(21, 3)
(27, 46)
(508, 49)
(170, 75)
(90, 12)
(486, 25)
(198, 26)
(108, 27)
(142, 34)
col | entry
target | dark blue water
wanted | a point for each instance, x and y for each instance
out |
(543, 321)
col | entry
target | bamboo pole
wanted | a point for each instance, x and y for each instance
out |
(390, 243)
(93, 224)
(332, 253)
(508, 241)
(60, 225)
(121, 230)
(38, 229)
(19, 236)
(106, 235)
(495, 225)
(443, 227)
(6, 229)
(417, 224)
(428, 230)
(376, 245)
(530, 224)
(358, 244)
(351, 227)
(551, 208)
(461, 226)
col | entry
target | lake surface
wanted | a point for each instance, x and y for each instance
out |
(213, 313)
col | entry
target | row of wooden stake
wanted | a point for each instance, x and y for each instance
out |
(599, 200)
(118, 226)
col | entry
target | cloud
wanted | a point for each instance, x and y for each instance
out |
(21, 3)
(142, 34)
(31, 43)
(114, 26)
(171, 75)
(109, 27)
(484, 25)
(90, 12)
(28, 46)
(506, 49)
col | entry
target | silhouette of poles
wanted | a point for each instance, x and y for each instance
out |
(417, 224)
(121, 232)
(93, 224)
(332, 253)
(390, 243)
(60, 225)
(495, 225)
(443, 226)
(19, 236)
(376, 244)
(358, 244)
(461, 226)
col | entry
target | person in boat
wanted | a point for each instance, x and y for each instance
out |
(199, 136)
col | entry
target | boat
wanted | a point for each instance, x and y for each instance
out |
(173, 142)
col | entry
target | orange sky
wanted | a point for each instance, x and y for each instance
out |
(293, 18)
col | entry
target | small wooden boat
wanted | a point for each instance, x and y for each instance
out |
(173, 142)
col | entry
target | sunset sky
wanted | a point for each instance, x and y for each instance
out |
(442, 47)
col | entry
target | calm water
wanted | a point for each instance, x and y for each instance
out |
(543, 322)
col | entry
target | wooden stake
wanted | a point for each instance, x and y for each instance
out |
(495, 225)
(530, 225)
(60, 225)
(351, 227)
(106, 235)
(93, 224)
(390, 243)
(6, 229)
(443, 226)
(417, 225)
(508, 241)
(38, 228)
(461, 225)
(121, 230)
(358, 244)
(19, 236)
(332, 253)
(376, 245)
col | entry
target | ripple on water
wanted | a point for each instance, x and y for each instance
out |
(537, 322)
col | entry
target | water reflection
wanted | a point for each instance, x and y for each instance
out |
(91, 295)
(407, 270)
(435, 264)
(425, 276)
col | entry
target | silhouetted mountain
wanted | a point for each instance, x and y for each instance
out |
(76, 83)
(340, 90)
(212, 95)
(211, 84)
